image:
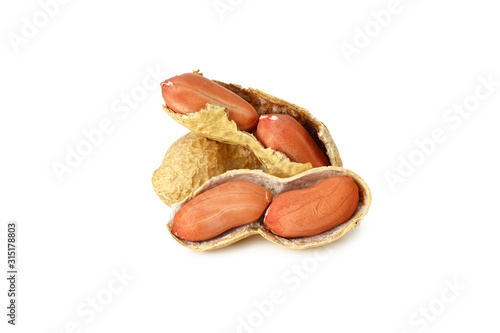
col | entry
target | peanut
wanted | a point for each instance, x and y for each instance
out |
(313, 210)
(285, 134)
(188, 93)
(219, 209)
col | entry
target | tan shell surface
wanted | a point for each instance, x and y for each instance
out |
(277, 186)
(192, 160)
(212, 122)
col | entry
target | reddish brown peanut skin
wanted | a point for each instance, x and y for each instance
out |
(219, 209)
(283, 133)
(189, 92)
(313, 210)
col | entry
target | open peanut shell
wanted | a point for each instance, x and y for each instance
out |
(212, 122)
(277, 186)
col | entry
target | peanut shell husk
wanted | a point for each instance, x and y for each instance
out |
(194, 159)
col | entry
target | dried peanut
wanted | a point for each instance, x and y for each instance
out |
(219, 209)
(283, 133)
(313, 210)
(190, 92)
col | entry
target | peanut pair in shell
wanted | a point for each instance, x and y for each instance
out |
(212, 121)
(278, 186)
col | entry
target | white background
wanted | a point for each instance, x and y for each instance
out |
(435, 227)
